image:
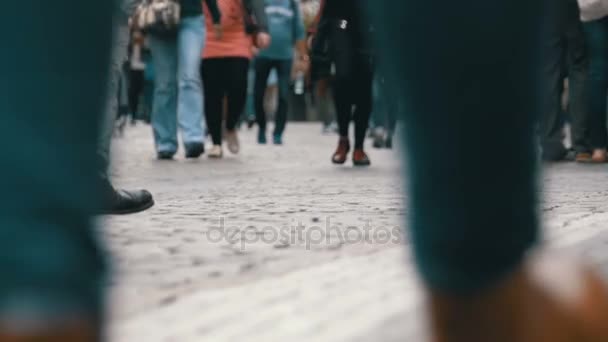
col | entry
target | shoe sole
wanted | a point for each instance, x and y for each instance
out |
(139, 209)
(359, 164)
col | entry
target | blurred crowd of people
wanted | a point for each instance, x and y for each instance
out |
(253, 61)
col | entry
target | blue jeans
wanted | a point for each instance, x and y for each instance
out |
(178, 90)
(596, 33)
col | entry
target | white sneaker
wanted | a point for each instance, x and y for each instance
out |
(215, 152)
(232, 139)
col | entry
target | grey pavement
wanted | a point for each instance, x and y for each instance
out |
(278, 244)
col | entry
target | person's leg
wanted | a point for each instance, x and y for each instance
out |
(190, 43)
(136, 87)
(236, 91)
(53, 272)
(116, 202)
(597, 83)
(120, 40)
(283, 68)
(213, 74)
(363, 98)
(472, 242)
(578, 64)
(262, 68)
(236, 94)
(342, 53)
(164, 104)
(553, 53)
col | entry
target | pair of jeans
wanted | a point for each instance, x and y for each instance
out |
(51, 265)
(263, 66)
(473, 219)
(564, 55)
(596, 33)
(178, 89)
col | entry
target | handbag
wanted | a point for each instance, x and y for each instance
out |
(158, 17)
(593, 9)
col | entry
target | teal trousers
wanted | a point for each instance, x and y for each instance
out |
(52, 87)
(468, 74)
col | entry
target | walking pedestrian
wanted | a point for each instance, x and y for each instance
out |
(344, 32)
(564, 55)
(596, 33)
(287, 33)
(225, 65)
(475, 220)
(178, 94)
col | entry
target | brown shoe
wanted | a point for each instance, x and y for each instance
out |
(547, 300)
(599, 156)
(583, 157)
(360, 158)
(341, 153)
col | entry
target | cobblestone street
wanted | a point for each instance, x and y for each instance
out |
(278, 244)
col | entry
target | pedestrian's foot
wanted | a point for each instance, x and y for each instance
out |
(262, 137)
(545, 300)
(163, 155)
(599, 156)
(582, 157)
(122, 202)
(360, 158)
(378, 140)
(389, 142)
(216, 152)
(232, 140)
(277, 139)
(341, 153)
(194, 150)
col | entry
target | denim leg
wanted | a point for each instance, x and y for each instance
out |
(53, 84)
(190, 44)
(119, 55)
(597, 84)
(164, 106)
(283, 68)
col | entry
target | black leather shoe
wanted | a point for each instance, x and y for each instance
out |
(194, 150)
(122, 202)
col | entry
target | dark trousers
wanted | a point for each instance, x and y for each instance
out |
(564, 54)
(353, 81)
(263, 67)
(49, 257)
(224, 78)
(597, 84)
(136, 89)
(473, 219)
